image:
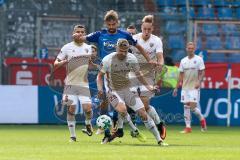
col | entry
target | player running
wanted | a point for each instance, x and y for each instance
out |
(75, 55)
(117, 67)
(106, 39)
(153, 45)
(191, 74)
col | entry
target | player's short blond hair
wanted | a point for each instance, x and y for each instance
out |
(148, 19)
(123, 44)
(111, 15)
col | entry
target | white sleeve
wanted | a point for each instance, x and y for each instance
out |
(62, 54)
(181, 67)
(201, 64)
(90, 49)
(159, 48)
(105, 65)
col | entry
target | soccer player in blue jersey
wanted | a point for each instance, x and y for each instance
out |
(106, 39)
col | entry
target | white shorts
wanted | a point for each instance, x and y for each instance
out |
(143, 90)
(76, 93)
(190, 96)
(126, 97)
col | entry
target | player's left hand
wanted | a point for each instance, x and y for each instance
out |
(152, 62)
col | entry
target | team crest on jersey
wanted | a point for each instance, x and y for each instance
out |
(73, 50)
(151, 45)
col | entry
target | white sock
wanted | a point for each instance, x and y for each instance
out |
(71, 126)
(187, 116)
(120, 121)
(153, 114)
(88, 121)
(127, 119)
(198, 113)
(150, 125)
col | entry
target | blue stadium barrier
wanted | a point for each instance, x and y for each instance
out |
(213, 105)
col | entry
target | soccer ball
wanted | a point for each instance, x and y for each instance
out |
(104, 122)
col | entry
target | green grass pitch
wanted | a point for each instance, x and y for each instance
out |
(50, 142)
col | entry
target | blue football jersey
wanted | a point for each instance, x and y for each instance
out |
(107, 42)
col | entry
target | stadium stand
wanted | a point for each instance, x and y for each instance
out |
(31, 23)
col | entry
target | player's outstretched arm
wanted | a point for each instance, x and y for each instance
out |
(143, 81)
(160, 60)
(143, 52)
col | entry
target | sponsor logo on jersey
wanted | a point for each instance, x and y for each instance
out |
(109, 45)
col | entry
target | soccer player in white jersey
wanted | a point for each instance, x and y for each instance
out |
(192, 70)
(76, 56)
(153, 46)
(117, 67)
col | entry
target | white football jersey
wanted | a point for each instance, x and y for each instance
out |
(190, 69)
(117, 71)
(152, 46)
(78, 59)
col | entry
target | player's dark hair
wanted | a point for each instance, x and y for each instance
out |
(111, 15)
(78, 26)
(131, 27)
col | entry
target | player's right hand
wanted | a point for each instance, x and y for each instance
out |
(152, 62)
(174, 94)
